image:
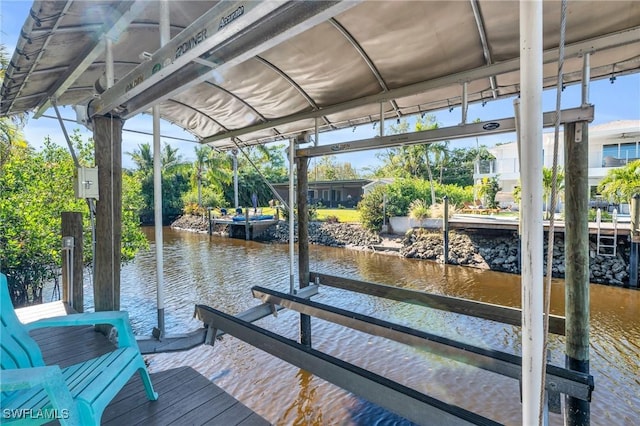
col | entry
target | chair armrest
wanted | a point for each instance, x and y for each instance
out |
(117, 319)
(26, 378)
(48, 378)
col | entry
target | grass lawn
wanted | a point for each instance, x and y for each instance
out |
(343, 215)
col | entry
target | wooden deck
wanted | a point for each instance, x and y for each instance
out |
(186, 397)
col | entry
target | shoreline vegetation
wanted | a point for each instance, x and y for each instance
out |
(495, 250)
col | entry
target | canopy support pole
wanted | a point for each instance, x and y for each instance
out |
(532, 235)
(292, 236)
(235, 178)
(577, 297)
(107, 136)
(157, 185)
(465, 102)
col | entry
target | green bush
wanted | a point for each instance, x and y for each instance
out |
(419, 210)
(370, 207)
(401, 193)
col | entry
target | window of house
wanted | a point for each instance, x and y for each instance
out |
(610, 151)
(628, 151)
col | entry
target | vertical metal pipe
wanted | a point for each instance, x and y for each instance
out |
(586, 78)
(292, 235)
(109, 71)
(532, 235)
(157, 211)
(157, 185)
(316, 140)
(235, 178)
(381, 119)
(465, 102)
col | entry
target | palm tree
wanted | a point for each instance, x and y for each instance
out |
(547, 186)
(219, 169)
(10, 134)
(199, 169)
(620, 184)
(143, 158)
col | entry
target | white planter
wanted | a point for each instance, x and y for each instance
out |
(401, 224)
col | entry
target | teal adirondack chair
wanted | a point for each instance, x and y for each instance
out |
(76, 395)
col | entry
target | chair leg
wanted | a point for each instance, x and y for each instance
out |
(146, 381)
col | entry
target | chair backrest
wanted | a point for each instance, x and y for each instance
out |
(19, 350)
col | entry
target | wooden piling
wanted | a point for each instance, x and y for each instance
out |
(445, 229)
(576, 263)
(107, 136)
(302, 165)
(635, 241)
(72, 227)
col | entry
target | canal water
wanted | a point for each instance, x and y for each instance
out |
(219, 272)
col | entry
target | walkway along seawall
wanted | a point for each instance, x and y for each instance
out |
(496, 250)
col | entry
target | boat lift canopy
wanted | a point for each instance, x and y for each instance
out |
(241, 73)
(251, 72)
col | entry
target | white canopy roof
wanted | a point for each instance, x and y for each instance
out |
(260, 71)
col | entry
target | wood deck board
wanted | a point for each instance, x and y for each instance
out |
(185, 396)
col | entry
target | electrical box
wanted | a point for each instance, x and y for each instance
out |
(86, 182)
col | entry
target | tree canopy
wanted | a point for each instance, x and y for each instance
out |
(620, 184)
(36, 187)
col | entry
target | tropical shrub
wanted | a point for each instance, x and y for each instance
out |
(419, 210)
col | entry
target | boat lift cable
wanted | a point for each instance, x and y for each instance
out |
(264, 179)
(552, 202)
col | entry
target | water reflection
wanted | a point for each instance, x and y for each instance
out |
(219, 272)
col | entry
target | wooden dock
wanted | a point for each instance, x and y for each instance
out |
(186, 397)
(476, 221)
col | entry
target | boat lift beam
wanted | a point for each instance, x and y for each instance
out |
(503, 314)
(409, 403)
(183, 342)
(575, 384)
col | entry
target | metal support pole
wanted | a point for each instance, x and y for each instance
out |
(157, 211)
(465, 100)
(576, 156)
(247, 229)
(381, 120)
(157, 187)
(109, 69)
(235, 178)
(586, 77)
(445, 229)
(292, 236)
(532, 235)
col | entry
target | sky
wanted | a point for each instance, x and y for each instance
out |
(619, 100)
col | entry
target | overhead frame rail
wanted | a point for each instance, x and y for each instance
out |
(485, 128)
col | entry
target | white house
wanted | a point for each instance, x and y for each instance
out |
(611, 144)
